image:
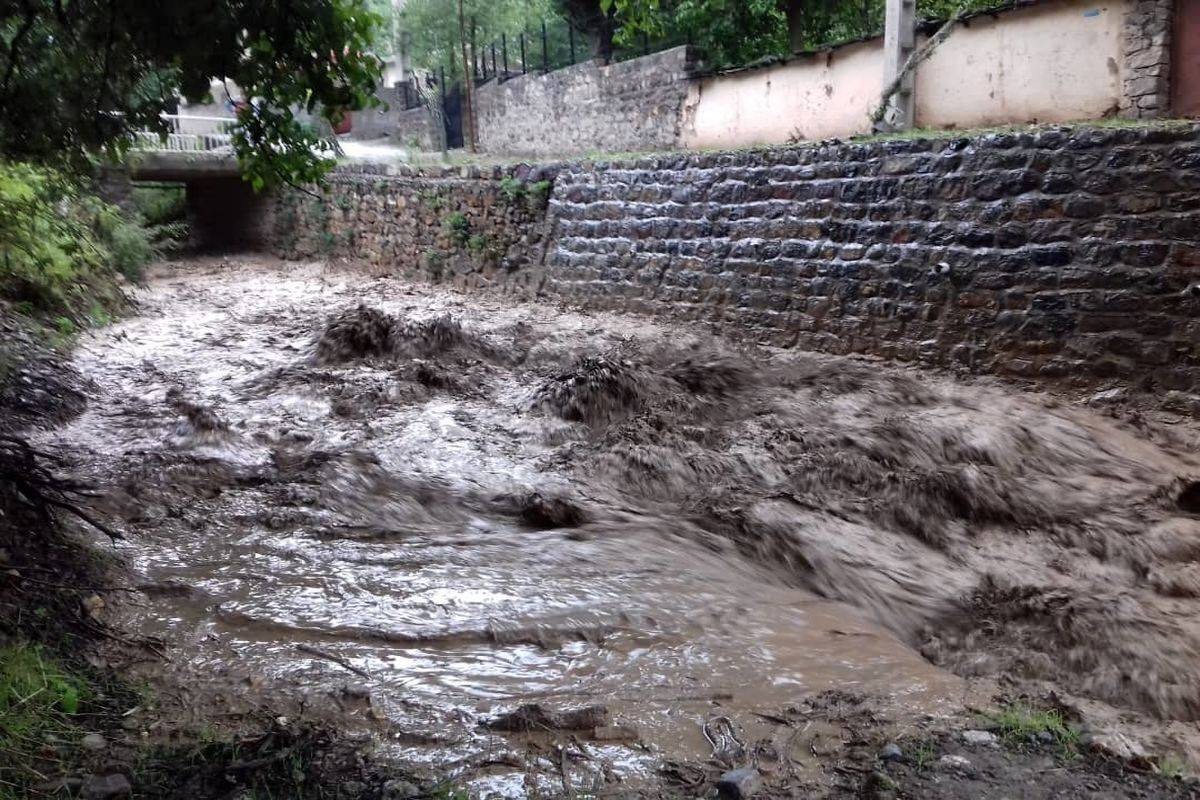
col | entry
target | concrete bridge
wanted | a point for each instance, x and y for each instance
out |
(224, 212)
(195, 148)
(197, 152)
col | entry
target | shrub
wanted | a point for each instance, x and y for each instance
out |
(512, 189)
(457, 227)
(45, 244)
(160, 205)
(125, 244)
(434, 263)
(60, 248)
(538, 195)
(477, 243)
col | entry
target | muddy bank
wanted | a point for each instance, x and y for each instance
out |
(417, 512)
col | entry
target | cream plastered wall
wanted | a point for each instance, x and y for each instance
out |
(1053, 62)
(812, 97)
(1057, 61)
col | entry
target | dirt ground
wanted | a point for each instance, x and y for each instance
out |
(511, 549)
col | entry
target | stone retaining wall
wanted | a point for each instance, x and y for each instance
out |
(632, 105)
(1066, 253)
(432, 223)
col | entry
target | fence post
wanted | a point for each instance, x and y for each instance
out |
(571, 39)
(504, 49)
(899, 40)
(523, 70)
(545, 50)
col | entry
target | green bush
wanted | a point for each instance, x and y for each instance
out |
(538, 195)
(61, 248)
(160, 205)
(45, 244)
(458, 227)
(478, 243)
(512, 189)
(125, 244)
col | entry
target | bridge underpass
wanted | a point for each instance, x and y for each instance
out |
(224, 212)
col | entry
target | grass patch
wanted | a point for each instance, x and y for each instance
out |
(1172, 767)
(924, 756)
(39, 706)
(1020, 724)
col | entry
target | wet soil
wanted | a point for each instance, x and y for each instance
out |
(522, 548)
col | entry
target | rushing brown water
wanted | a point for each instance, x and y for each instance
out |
(458, 506)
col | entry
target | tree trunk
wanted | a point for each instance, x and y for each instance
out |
(468, 83)
(794, 11)
(605, 31)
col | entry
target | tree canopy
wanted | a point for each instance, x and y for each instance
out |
(737, 32)
(77, 77)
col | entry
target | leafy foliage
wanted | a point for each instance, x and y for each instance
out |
(160, 205)
(732, 32)
(59, 247)
(512, 189)
(457, 227)
(77, 78)
(737, 32)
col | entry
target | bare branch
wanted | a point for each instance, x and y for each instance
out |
(913, 62)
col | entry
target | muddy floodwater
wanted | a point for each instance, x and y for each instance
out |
(423, 511)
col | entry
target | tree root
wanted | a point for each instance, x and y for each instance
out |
(27, 481)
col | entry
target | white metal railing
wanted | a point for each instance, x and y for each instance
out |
(190, 134)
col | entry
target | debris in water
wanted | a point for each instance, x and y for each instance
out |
(361, 332)
(738, 784)
(1189, 497)
(201, 418)
(714, 376)
(593, 391)
(547, 513)
(535, 717)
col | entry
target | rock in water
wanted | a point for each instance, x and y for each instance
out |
(93, 741)
(985, 738)
(738, 784)
(105, 787)
(891, 752)
(547, 513)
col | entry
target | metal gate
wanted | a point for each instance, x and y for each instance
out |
(452, 113)
(1185, 68)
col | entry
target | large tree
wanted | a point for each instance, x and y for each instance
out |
(77, 77)
(597, 19)
(735, 32)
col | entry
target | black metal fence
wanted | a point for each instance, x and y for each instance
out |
(549, 46)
